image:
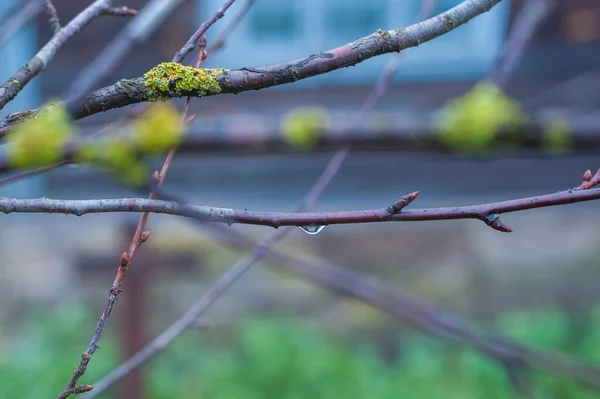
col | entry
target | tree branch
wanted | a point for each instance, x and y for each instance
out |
(131, 91)
(488, 213)
(38, 63)
(419, 315)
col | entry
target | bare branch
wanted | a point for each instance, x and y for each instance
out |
(220, 42)
(131, 91)
(38, 63)
(189, 45)
(421, 316)
(230, 216)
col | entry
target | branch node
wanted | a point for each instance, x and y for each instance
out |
(402, 203)
(144, 237)
(82, 389)
(493, 220)
(124, 259)
(588, 181)
(156, 177)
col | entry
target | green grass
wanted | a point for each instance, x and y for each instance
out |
(288, 359)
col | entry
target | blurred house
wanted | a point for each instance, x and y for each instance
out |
(241, 160)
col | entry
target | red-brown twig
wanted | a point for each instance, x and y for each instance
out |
(140, 236)
(191, 43)
(221, 285)
(40, 61)
(229, 216)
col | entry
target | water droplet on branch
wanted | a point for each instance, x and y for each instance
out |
(312, 230)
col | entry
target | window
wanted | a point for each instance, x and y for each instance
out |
(278, 30)
(14, 53)
(347, 20)
(276, 22)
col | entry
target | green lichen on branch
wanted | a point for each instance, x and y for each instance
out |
(40, 140)
(171, 79)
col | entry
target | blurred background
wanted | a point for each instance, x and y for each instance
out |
(274, 335)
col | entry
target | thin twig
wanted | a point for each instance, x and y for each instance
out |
(31, 173)
(527, 22)
(140, 236)
(220, 42)
(221, 285)
(191, 43)
(386, 76)
(52, 16)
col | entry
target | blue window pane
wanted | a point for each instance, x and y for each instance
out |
(14, 53)
(276, 22)
(348, 20)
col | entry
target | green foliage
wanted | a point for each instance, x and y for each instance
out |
(302, 126)
(470, 123)
(157, 131)
(557, 135)
(39, 362)
(170, 79)
(290, 359)
(41, 140)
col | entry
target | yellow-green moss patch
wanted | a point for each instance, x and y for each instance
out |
(170, 79)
